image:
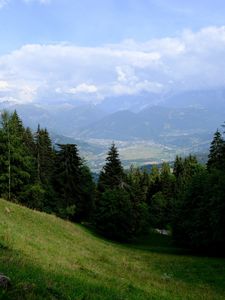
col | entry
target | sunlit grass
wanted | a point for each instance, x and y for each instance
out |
(48, 258)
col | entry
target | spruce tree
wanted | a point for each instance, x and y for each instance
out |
(39, 192)
(5, 156)
(112, 174)
(154, 183)
(67, 179)
(85, 207)
(160, 197)
(137, 188)
(178, 167)
(216, 152)
(44, 156)
(29, 141)
(16, 161)
(121, 209)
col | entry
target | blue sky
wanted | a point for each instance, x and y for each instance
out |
(96, 22)
(126, 38)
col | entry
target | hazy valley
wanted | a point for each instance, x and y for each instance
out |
(148, 128)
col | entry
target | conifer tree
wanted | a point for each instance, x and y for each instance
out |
(39, 192)
(67, 179)
(178, 167)
(121, 209)
(216, 152)
(154, 183)
(160, 196)
(138, 182)
(112, 174)
(29, 141)
(85, 208)
(167, 180)
(18, 161)
(199, 216)
(5, 156)
(44, 156)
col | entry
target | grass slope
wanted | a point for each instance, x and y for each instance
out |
(48, 258)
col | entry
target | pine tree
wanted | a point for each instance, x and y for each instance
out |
(44, 156)
(154, 184)
(121, 209)
(85, 207)
(160, 197)
(178, 167)
(199, 215)
(138, 182)
(29, 141)
(167, 180)
(5, 156)
(67, 179)
(17, 168)
(39, 192)
(216, 152)
(112, 174)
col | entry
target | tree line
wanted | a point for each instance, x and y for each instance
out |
(188, 199)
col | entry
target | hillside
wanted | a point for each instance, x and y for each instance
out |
(48, 258)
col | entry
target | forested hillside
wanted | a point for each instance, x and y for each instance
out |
(187, 200)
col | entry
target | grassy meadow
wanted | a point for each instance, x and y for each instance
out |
(49, 258)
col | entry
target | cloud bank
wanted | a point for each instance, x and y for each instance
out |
(64, 72)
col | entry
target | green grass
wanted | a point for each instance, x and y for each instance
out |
(48, 258)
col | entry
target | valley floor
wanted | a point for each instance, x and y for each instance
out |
(48, 258)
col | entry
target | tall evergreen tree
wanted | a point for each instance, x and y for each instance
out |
(154, 183)
(40, 192)
(167, 181)
(178, 167)
(67, 179)
(112, 174)
(121, 209)
(29, 141)
(216, 152)
(85, 207)
(18, 161)
(160, 197)
(44, 156)
(138, 182)
(5, 156)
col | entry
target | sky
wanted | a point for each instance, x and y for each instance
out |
(62, 50)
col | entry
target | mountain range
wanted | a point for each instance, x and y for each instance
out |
(185, 119)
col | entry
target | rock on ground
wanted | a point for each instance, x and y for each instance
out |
(5, 281)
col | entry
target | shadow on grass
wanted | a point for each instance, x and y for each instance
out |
(152, 242)
(156, 243)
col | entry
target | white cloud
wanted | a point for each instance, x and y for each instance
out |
(126, 74)
(62, 71)
(83, 88)
(4, 86)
